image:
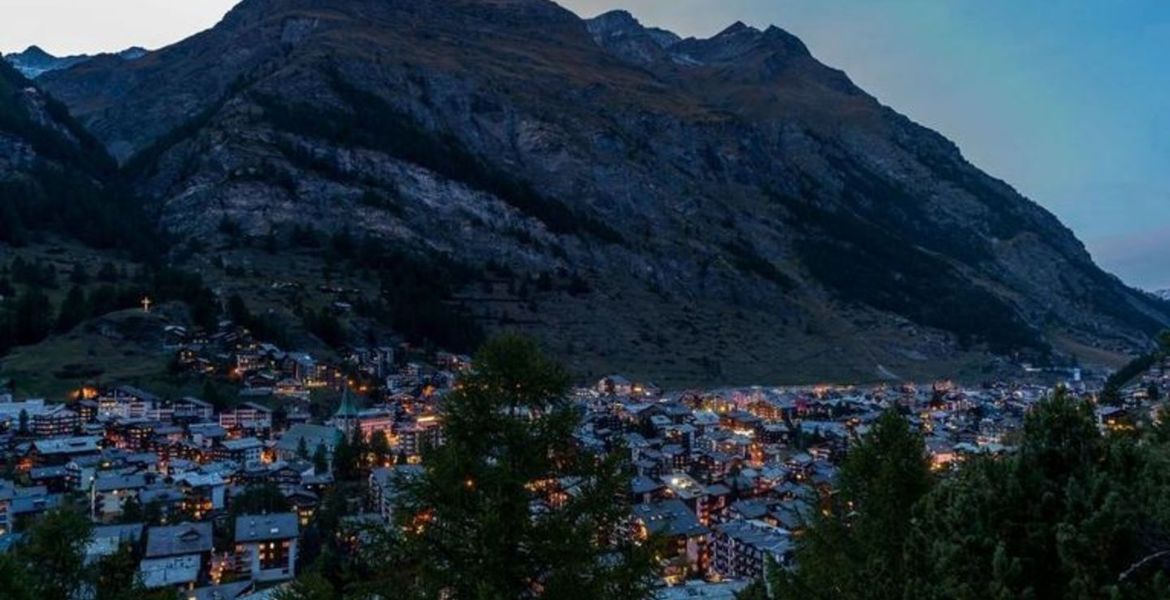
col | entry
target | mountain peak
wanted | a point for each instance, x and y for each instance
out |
(736, 28)
(617, 17)
(34, 61)
(621, 33)
(35, 51)
(133, 53)
(790, 43)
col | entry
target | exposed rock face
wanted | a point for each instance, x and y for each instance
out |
(622, 34)
(37, 132)
(735, 204)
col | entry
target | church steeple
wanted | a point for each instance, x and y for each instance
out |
(346, 416)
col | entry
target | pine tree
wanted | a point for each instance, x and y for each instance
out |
(1071, 515)
(15, 581)
(471, 528)
(855, 550)
(73, 310)
(55, 551)
(320, 459)
(32, 317)
(345, 459)
(380, 448)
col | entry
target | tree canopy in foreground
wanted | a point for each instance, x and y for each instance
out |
(1074, 513)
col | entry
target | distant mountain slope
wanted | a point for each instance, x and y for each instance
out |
(34, 61)
(736, 210)
(55, 176)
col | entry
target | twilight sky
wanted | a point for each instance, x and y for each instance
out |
(1071, 104)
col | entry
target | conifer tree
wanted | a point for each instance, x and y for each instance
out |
(855, 548)
(491, 516)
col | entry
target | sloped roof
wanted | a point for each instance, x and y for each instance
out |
(176, 540)
(278, 526)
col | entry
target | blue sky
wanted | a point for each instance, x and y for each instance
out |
(1069, 101)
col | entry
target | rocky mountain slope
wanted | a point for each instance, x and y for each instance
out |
(725, 209)
(53, 174)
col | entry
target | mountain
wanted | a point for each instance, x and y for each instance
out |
(34, 61)
(693, 210)
(53, 174)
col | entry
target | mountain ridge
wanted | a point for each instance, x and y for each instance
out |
(731, 175)
(35, 61)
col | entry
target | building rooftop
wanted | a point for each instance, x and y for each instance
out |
(759, 535)
(670, 518)
(69, 445)
(109, 483)
(278, 526)
(176, 540)
(242, 444)
(313, 435)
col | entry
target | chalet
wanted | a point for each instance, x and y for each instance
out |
(29, 502)
(126, 402)
(304, 503)
(293, 389)
(10, 411)
(266, 546)
(202, 492)
(376, 362)
(105, 540)
(413, 436)
(741, 549)
(299, 367)
(684, 539)
(645, 489)
(206, 435)
(190, 410)
(59, 451)
(249, 416)
(615, 385)
(690, 492)
(386, 485)
(251, 360)
(177, 555)
(169, 499)
(174, 337)
(55, 420)
(110, 492)
(290, 474)
(244, 451)
(54, 478)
